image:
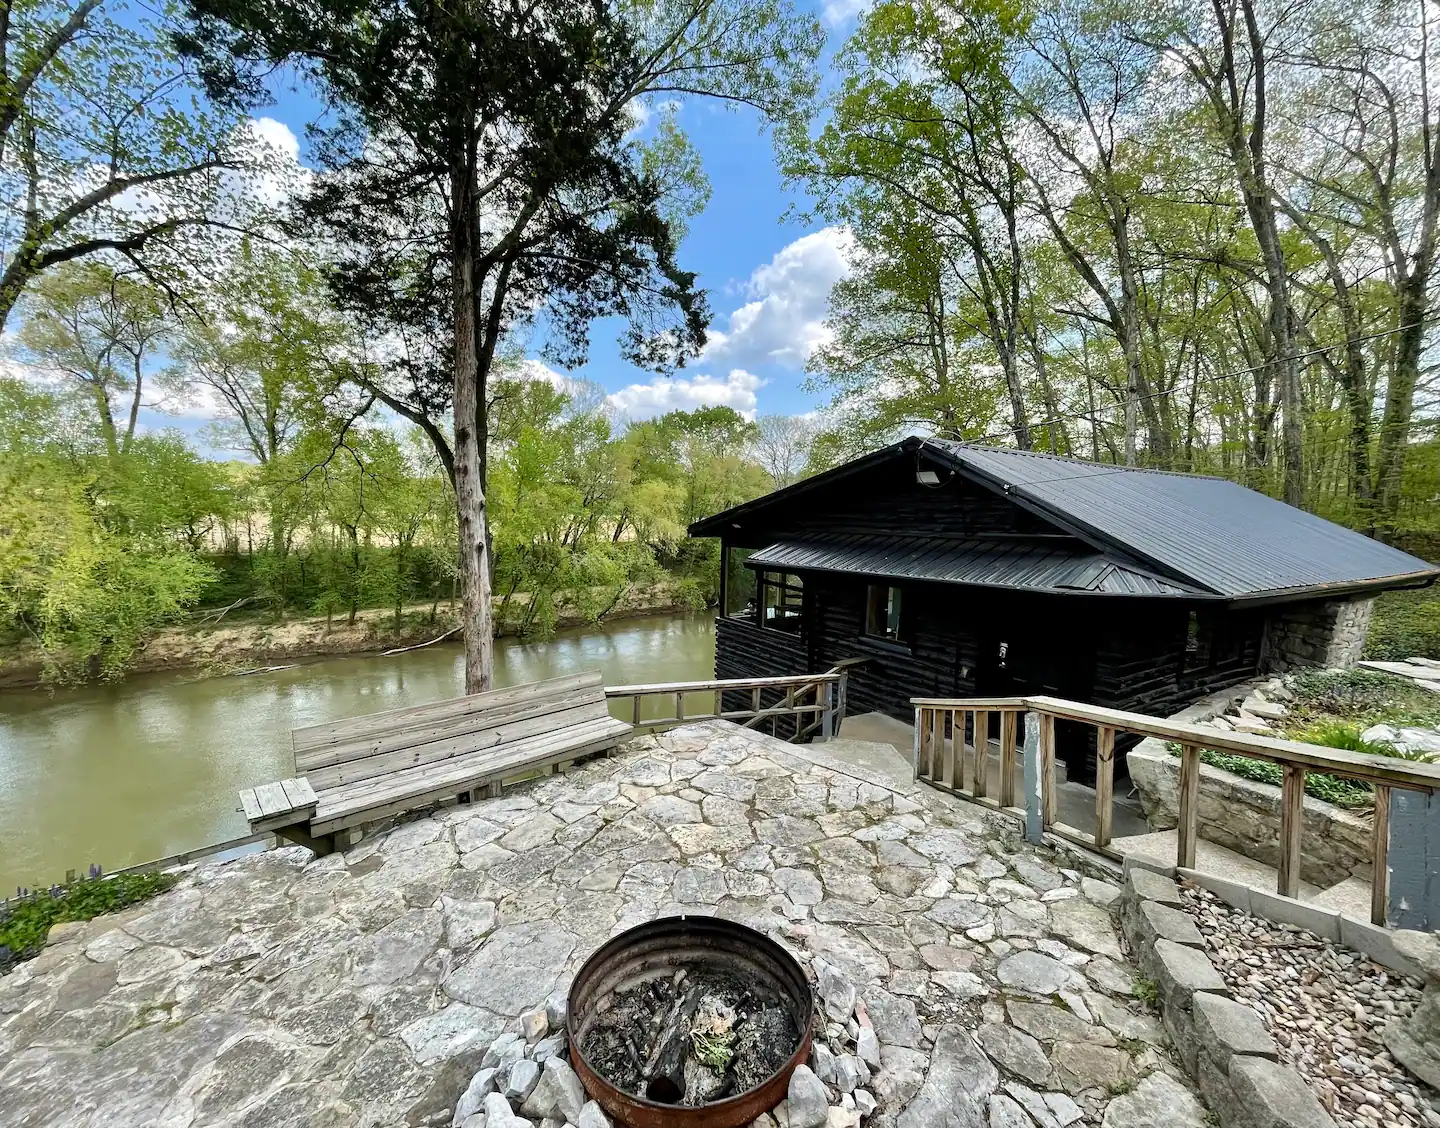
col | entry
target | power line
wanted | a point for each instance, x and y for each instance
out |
(1008, 432)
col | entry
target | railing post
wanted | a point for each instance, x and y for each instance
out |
(1047, 769)
(1292, 826)
(1380, 855)
(915, 755)
(635, 710)
(840, 691)
(827, 713)
(1104, 783)
(980, 738)
(1008, 721)
(952, 756)
(1185, 832)
(1034, 794)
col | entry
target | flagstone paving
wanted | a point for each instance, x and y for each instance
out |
(279, 990)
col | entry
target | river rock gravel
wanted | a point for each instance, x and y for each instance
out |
(1326, 1007)
(397, 983)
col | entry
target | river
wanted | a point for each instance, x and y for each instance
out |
(150, 767)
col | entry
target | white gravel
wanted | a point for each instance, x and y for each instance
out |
(1326, 1007)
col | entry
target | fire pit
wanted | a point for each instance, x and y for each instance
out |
(689, 1022)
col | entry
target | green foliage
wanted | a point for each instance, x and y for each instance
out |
(1341, 792)
(1406, 624)
(26, 920)
(1340, 734)
(1345, 693)
(1147, 991)
(86, 571)
(1365, 697)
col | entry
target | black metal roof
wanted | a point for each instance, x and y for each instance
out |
(1199, 534)
(1217, 534)
(1061, 564)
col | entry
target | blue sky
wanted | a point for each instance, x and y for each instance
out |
(767, 280)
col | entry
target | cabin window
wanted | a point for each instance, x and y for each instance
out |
(1197, 647)
(782, 596)
(739, 583)
(882, 613)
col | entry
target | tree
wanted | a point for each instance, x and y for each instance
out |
(265, 346)
(480, 156)
(917, 159)
(1229, 58)
(96, 331)
(783, 444)
(88, 567)
(105, 148)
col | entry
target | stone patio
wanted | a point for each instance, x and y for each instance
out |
(280, 990)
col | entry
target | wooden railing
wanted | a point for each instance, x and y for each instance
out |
(816, 701)
(947, 762)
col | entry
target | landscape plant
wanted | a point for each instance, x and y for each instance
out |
(26, 918)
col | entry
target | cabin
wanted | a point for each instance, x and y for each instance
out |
(960, 570)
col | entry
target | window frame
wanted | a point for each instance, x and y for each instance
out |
(790, 603)
(892, 592)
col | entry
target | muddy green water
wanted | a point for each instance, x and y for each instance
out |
(123, 774)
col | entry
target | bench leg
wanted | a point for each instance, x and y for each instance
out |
(494, 790)
(298, 835)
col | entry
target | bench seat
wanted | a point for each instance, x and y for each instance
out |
(386, 795)
(361, 769)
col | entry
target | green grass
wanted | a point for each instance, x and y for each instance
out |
(25, 921)
(1147, 992)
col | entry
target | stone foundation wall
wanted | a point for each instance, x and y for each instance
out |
(1244, 816)
(1325, 634)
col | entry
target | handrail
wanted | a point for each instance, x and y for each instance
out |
(718, 683)
(944, 761)
(828, 690)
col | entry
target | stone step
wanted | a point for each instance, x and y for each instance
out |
(1160, 846)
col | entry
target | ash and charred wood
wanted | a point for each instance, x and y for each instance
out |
(665, 1066)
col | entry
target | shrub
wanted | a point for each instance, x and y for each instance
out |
(26, 920)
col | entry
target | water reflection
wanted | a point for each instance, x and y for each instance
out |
(122, 774)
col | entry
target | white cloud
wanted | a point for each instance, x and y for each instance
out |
(836, 12)
(644, 401)
(784, 322)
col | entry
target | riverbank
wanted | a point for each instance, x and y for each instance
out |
(230, 647)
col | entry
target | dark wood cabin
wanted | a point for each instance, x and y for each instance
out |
(961, 570)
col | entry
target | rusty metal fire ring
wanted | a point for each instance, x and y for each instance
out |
(675, 942)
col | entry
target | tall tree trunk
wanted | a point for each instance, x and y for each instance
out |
(107, 420)
(1400, 393)
(476, 617)
(134, 407)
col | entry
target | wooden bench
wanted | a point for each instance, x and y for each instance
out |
(358, 770)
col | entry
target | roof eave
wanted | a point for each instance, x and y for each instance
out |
(1337, 588)
(1190, 596)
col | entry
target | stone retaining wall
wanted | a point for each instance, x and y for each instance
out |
(1244, 815)
(1222, 1043)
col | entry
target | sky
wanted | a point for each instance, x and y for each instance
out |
(768, 279)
